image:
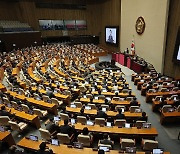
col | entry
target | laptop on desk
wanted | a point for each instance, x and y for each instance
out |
(130, 150)
(158, 151)
(105, 148)
(33, 137)
(54, 142)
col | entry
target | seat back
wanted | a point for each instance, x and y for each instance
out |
(4, 120)
(25, 108)
(14, 104)
(125, 91)
(119, 107)
(21, 91)
(151, 90)
(139, 123)
(157, 98)
(133, 108)
(78, 104)
(149, 144)
(165, 108)
(100, 121)
(93, 106)
(45, 134)
(127, 143)
(55, 101)
(120, 122)
(82, 120)
(115, 98)
(38, 112)
(63, 138)
(101, 97)
(105, 106)
(163, 89)
(85, 139)
(64, 116)
(89, 96)
(14, 126)
(129, 98)
(175, 89)
(45, 98)
(6, 101)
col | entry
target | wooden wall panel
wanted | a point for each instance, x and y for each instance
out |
(111, 11)
(170, 68)
(8, 11)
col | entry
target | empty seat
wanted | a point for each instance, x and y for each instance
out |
(120, 122)
(25, 108)
(17, 126)
(115, 98)
(14, 105)
(78, 104)
(120, 107)
(82, 120)
(166, 108)
(85, 139)
(46, 98)
(63, 138)
(100, 121)
(45, 134)
(105, 106)
(149, 144)
(127, 143)
(89, 96)
(55, 101)
(133, 108)
(101, 97)
(40, 113)
(64, 116)
(129, 98)
(163, 89)
(139, 123)
(93, 106)
(125, 91)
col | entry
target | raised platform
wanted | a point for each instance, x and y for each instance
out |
(107, 66)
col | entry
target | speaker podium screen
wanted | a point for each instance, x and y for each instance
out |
(111, 35)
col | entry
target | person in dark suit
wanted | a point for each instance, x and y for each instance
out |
(144, 117)
(110, 37)
(3, 112)
(134, 102)
(43, 149)
(81, 113)
(100, 113)
(66, 129)
(106, 140)
(120, 115)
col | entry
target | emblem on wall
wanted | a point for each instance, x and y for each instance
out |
(140, 25)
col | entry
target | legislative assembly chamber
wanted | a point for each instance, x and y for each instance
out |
(89, 76)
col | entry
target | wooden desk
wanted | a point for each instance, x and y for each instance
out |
(155, 104)
(111, 94)
(150, 96)
(99, 101)
(7, 137)
(33, 119)
(132, 132)
(47, 106)
(170, 117)
(109, 113)
(34, 145)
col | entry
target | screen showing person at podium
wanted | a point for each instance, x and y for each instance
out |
(111, 35)
(178, 55)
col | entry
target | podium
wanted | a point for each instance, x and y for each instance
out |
(129, 62)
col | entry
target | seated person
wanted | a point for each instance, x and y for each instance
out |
(106, 140)
(81, 112)
(85, 131)
(143, 118)
(51, 126)
(101, 152)
(43, 149)
(100, 113)
(66, 129)
(120, 115)
(3, 112)
(134, 102)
